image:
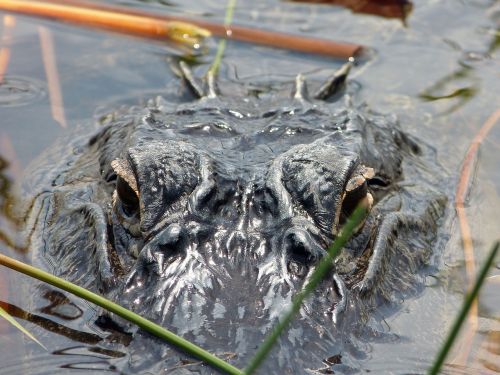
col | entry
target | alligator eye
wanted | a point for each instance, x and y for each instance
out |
(355, 190)
(128, 197)
(356, 193)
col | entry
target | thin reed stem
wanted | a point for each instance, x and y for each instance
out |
(214, 69)
(469, 299)
(141, 322)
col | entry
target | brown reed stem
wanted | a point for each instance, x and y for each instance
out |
(151, 25)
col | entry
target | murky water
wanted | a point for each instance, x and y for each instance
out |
(438, 71)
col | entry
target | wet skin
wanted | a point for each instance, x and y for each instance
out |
(208, 216)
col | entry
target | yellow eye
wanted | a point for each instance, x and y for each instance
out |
(355, 194)
(355, 191)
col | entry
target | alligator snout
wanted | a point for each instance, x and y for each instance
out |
(212, 233)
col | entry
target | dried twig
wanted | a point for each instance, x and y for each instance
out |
(460, 199)
(149, 27)
(462, 191)
(244, 34)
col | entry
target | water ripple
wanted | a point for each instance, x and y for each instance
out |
(18, 91)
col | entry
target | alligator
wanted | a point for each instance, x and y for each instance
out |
(208, 215)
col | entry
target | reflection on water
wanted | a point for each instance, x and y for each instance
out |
(446, 88)
(461, 85)
(492, 347)
(50, 325)
(61, 306)
(87, 357)
(442, 68)
(10, 224)
(7, 220)
(5, 185)
(491, 354)
(62, 363)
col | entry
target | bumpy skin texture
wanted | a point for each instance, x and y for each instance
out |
(208, 216)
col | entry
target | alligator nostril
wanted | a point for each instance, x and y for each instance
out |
(298, 247)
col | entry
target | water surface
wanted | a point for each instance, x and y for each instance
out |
(438, 71)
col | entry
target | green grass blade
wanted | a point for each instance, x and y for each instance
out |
(214, 69)
(462, 315)
(143, 323)
(4, 314)
(318, 275)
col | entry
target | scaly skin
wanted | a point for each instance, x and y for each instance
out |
(208, 216)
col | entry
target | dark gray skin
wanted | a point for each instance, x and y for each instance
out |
(209, 216)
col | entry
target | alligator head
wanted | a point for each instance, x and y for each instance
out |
(209, 216)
